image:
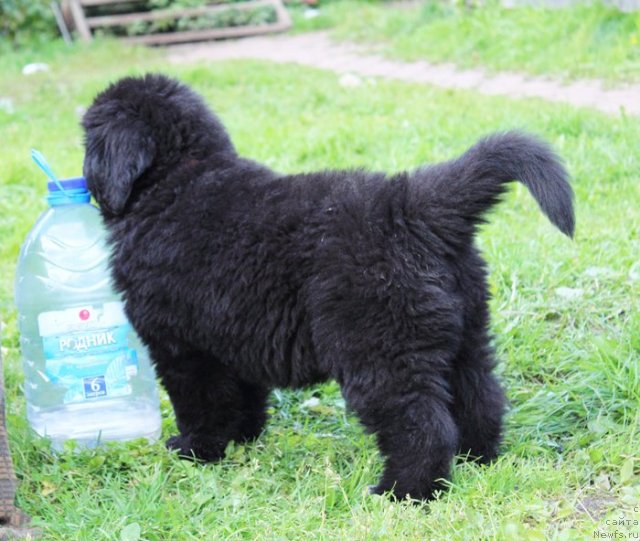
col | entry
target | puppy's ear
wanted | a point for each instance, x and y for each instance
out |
(119, 149)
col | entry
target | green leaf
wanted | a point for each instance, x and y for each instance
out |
(626, 471)
(131, 532)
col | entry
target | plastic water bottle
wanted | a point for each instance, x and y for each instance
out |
(87, 376)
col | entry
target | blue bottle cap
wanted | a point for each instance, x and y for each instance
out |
(76, 183)
(68, 191)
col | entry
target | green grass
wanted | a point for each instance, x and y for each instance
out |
(570, 457)
(586, 40)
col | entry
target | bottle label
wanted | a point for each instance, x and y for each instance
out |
(86, 351)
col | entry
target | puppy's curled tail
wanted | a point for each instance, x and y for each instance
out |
(470, 185)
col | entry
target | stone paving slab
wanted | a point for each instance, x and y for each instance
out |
(317, 50)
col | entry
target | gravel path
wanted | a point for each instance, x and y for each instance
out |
(317, 50)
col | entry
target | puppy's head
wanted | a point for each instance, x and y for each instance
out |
(138, 130)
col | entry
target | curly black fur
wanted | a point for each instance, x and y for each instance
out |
(240, 279)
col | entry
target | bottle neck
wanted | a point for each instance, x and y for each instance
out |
(68, 197)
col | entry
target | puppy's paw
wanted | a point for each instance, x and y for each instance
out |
(197, 448)
(398, 492)
(479, 453)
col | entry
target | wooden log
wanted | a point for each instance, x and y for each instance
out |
(14, 524)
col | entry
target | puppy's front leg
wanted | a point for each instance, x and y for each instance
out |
(211, 404)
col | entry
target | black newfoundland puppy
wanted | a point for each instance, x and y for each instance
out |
(240, 279)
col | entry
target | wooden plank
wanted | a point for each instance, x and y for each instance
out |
(89, 3)
(200, 35)
(169, 14)
(79, 20)
(62, 24)
(282, 13)
(84, 24)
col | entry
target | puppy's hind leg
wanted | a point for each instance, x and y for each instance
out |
(212, 404)
(392, 356)
(415, 430)
(478, 399)
(479, 402)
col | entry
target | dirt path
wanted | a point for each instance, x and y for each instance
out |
(317, 50)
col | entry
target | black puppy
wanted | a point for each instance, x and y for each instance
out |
(240, 279)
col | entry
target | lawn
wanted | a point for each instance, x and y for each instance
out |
(588, 39)
(565, 314)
